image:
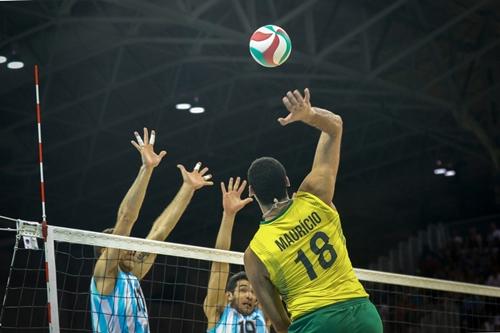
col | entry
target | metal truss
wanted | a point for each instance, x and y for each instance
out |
(453, 89)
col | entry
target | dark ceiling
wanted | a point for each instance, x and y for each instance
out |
(415, 81)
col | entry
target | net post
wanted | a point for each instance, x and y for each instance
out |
(51, 278)
(50, 266)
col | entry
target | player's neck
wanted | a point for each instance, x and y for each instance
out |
(269, 212)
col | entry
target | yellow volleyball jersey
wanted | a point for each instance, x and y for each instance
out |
(304, 250)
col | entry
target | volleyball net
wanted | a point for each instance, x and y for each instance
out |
(176, 285)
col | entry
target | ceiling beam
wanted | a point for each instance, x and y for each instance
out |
(203, 7)
(467, 59)
(26, 33)
(243, 18)
(23, 10)
(203, 25)
(295, 12)
(373, 20)
(431, 36)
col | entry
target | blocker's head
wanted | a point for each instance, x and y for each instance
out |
(240, 294)
(126, 257)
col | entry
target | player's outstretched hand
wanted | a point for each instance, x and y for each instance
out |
(145, 147)
(231, 197)
(299, 107)
(196, 178)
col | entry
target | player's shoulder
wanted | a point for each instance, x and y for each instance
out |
(306, 195)
(312, 199)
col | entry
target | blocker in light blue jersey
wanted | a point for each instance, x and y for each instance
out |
(123, 311)
(231, 321)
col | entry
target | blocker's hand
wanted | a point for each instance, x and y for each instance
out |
(231, 198)
(145, 147)
(196, 178)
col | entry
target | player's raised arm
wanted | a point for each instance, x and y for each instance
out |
(107, 265)
(266, 292)
(215, 301)
(321, 179)
(168, 219)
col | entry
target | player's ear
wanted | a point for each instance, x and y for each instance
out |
(251, 193)
(229, 296)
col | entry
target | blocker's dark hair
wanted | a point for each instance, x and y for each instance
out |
(233, 280)
(267, 176)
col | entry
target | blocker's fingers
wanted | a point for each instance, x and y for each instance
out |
(182, 168)
(152, 138)
(247, 201)
(139, 139)
(146, 135)
(135, 145)
(242, 187)
(203, 171)
(223, 187)
(237, 184)
(197, 167)
(207, 177)
(230, 184)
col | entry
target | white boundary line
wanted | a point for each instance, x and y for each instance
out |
(196, 252)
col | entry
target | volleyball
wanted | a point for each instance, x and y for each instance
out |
(270, 46)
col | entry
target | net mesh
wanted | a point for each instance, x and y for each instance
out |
(173, 290)
(24, 307)
(176, 285)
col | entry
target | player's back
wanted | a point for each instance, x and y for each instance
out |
(305, 252)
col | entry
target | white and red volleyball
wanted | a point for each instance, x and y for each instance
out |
(270, 45)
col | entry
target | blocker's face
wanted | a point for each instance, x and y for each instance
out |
(127, 260)
(243, 298)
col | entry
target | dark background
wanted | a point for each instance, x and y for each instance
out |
(414, 81)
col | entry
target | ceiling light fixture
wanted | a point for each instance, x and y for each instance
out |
(183, 106)
(450, 173)
(439, 171)
(197, 109)
(15, 62)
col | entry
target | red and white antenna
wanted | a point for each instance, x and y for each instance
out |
(40, 150)
(50, 269)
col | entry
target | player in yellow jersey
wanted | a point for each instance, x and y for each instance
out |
(299, 253)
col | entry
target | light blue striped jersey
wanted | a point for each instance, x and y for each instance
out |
(231, 321)
(123, 311)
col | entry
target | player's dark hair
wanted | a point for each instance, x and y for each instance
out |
(233, 280)
(267, 177)
(98, 249)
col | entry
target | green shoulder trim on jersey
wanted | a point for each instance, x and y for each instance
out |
(280, 214)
